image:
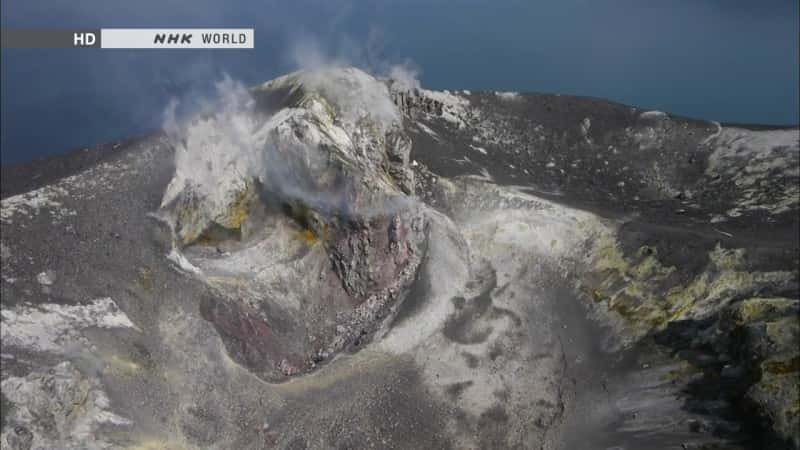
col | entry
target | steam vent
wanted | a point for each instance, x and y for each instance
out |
(331, 260)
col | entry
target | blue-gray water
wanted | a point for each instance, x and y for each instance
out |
(726, 60)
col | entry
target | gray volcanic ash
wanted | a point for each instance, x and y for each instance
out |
(333, 260)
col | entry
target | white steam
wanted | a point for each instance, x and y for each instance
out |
(307, 55)
(405, 75)
(216, 149)
(327, 149)
(302, 152)
(355, 92)
(356, 95)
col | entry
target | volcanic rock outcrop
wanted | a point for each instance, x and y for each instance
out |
(301, 182)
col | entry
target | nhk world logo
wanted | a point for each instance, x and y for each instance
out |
(177, 38)
(207, 38)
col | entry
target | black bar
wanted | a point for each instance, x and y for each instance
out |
(50, 38)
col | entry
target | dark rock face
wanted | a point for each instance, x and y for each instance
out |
(329, 260)
(413, 103)
(747, 366)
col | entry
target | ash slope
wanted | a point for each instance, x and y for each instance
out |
(331, 260)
